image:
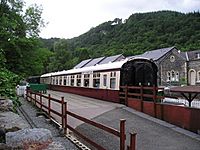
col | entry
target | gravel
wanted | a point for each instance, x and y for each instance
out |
(42, 122)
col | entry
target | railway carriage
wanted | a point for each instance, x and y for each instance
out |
(103, 81)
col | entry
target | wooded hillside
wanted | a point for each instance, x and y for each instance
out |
(139, 33)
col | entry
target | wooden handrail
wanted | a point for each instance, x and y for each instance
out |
(98, 125)
(64, 112)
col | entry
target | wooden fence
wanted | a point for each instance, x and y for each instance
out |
(184, 117)
(140, 94)
(45, 103)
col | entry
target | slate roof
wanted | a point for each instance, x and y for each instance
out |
(156, 54)
(192, 55)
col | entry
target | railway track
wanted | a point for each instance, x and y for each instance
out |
(26, 117)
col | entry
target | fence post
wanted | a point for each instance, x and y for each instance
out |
(40, 101)
(62, 109)
(141, 92)
(31, 96)
(154, 100)
(122, 134)
(35, 99)
(49, 105)
(26, 94)
(65, 117)
(132, 141)
(126, 95)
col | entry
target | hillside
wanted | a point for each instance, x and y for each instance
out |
(139, 33)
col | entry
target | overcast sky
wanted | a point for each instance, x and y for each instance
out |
(71, 18)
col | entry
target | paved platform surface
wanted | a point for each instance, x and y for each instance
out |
(83, 106)
(152, 133)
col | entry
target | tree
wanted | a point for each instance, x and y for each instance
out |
(20, 50)
(19, 37)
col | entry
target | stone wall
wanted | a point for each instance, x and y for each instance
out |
(178, 65)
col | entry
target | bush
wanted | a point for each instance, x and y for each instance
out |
(8, 82)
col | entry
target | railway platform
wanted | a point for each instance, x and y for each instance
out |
(152, 133)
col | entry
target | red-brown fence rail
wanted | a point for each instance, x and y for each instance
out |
(45, 103)
(140, 93)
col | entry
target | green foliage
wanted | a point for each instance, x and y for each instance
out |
(142, 32)
(20, 49)
(139, 33)
(8, 82)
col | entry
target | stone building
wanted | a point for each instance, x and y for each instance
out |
(176, 68)
(193, 67)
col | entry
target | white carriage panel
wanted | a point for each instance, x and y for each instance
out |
(82, 80)
(75, 80)
(117, 80)
(69, 80)
(91, 80)
(108, 80)
(48, 80)
(56, 80)
(62, 80)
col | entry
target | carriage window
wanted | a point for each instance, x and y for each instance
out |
(65, 80)
(96, 80)
(112, 80)
(112, 83)
(56, 80)
(53, 81)
(78, 80)
(86, 80)
(105, 80)
(60, 81)
(72, 80)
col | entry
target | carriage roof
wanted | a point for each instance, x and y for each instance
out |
(98, 67)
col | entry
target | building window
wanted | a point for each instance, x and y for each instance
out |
(168, 76)
(96, 79)
(72, 80)
(172, 58)
(112, 80)
(198, 76)
(86, 80)
(173, 76)
(105, 80)
(198, 55)
(78, 80)
(177, 76)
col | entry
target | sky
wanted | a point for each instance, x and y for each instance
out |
(71, 18)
